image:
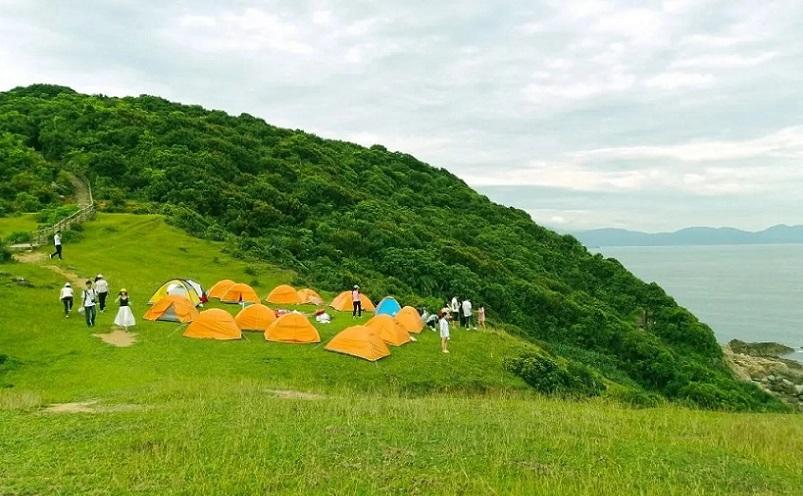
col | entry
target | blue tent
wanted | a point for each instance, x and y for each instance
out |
(388, 306)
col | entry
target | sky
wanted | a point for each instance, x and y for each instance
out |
(643, 115)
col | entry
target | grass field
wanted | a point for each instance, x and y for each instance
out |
(171, 415)
(18, 223)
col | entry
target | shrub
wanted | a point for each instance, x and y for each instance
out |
(549, 376)
(19, 237)
(637, 398)
(5, 254)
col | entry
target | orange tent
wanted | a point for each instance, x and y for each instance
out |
(172, 309)
(410, 319)
(240, 293)
(359, 341)
(292, 327)
(389, 330)
(310, 296)
(220, 288)
(284, 295)
(343, 303)
(213, 324)
(255, 318)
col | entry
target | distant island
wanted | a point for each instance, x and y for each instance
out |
(780, 234)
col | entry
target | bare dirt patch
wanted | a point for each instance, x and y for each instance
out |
(30, 257)
(294, 395)
(118, 338)
(76, 280)
(89, 406)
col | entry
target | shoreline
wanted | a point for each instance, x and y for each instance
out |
(777, 375)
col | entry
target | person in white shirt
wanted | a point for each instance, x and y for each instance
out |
(57, 244)
(66, 297)
(88, 299)
(102, 288)
(443, 324)
(467, 314)
(454, 307)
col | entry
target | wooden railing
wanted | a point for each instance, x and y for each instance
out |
(43, 235)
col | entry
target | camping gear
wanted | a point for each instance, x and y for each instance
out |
(388, 306)
(186, 288)
(255, 318)
(343, 303)
(359, 341)
(309, 296)
(292, 327)
(410, 319)
(389, 330)
(283, 295)
(240, 293)
(213, 324)
(220, 288)
(172, 309)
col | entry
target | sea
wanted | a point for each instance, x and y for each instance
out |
(748, 292)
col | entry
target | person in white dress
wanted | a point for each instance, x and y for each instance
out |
(443, 324)
(125, 317)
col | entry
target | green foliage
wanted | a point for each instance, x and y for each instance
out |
(637, 398)
(53, 214)
(18, 237)
(340, 214)
(5, 254)
(551, 375)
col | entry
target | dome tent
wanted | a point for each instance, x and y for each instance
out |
(388, 306)
(213, 324)
(283, 295)
(292, 327)
(172, 309)
(255, 318)
(240, 293)
(359, 341)
(186, 288)
(342, 302)
(309, 296)
(220, 288)
(389, 330)
(410, 319)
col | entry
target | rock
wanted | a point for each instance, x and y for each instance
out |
(21, 281)
(770, 378)
(760, 349)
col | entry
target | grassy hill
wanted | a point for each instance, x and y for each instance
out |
(172, 415)
(337, 214)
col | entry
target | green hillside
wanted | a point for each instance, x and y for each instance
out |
(172, 415)
(337, 214)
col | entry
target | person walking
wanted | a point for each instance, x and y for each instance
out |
(102, 287)
(89, 298)
(467, 313)
(481, 317)
(124, 318)
(66, 296)
(57, 244)
(454, 308)
(356, 302)
(443, 324)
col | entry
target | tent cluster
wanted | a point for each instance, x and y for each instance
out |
(177, 299)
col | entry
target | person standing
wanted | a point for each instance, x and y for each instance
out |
(124, 318)
(467, 313)
(454, 307)
(481, 317)
(89, 298)
(66, 296)
(102, 287)
(356, 302)
(57, 244)
(443, 324)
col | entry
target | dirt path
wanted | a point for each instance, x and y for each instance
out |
(90, 406)
(82, 196)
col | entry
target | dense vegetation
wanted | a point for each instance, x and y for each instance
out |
(338, 213)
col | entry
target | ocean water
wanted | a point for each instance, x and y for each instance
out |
(748, 292)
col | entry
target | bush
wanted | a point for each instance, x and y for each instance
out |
(18, 237)
(549, 376)
(5, 254)
(637, 398)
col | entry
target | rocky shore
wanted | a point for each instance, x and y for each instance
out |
(759, 363)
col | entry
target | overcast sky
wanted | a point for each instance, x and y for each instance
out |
(646, 115)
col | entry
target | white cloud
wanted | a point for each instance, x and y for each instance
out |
(726, 61)
(670, 81)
